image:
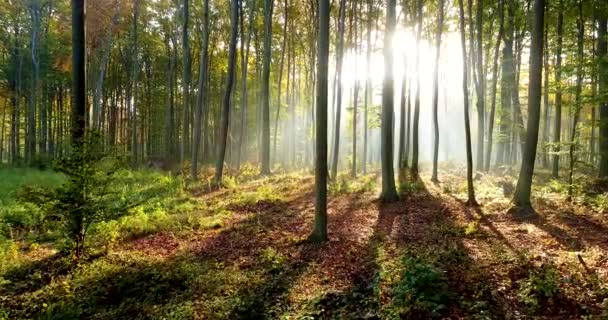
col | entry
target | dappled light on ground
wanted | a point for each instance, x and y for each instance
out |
(241, 253)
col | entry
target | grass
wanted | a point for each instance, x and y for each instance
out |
(238, 253)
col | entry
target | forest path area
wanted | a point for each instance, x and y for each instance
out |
(425, 256)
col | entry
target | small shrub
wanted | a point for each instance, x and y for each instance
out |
(272, 259)
(86, 197)
(540, 286)
(423, 289)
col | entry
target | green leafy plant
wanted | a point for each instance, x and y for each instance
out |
(423, 289)
(87, 196)
(542, 284)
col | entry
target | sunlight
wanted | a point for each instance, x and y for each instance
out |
(404, 50)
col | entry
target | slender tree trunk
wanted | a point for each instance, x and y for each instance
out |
(78, 71)
(467, 125)
(31, 115)
(480, 84)
(355, 91)
(521, 197)
(279, 85)
(339, 58)
(402, 112)
(557, 127)
(545, 135)
(389, 193)
(265, 149)
(201, 94)
(319, 233)
(368, 84)
(494, 85)
(578, 97)
(225, 111)
(434, 177)
(244, 96)
(602, 52)
(187, 79)
(415, 133)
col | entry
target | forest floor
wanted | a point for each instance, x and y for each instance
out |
(241, 253)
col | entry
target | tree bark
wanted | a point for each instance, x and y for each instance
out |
(416, 122)
(319, 233)
(521, 198)
(557, 127)
(265, 149)
(201, 94)
(78, 71)
(225, 112)
(187, 79)
(339, 61)
(578, 97)
(602, 52)
(494, 85)
(467, 125)
(389, 193)
(434, 177)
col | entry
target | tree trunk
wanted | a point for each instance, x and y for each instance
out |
(319, 233)
(389, 193)
(602, 52)
(521, 197)
(201, 94)
(545, 135)
(434, 177)
(355, 91)
(415, 134)
(578, 97)
(187, 79)
(494, 84)
(78, 71)
(557, 127)
(280, 83)
(467, 125)
(265, 149)
(225, 110)
(339, 60)
(368, 84)
(244, 96)
(480, 86)
(31, 115)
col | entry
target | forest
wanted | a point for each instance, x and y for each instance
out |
(303, 159)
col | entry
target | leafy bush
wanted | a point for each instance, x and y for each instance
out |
(86, 197)
(539, 286)
(422, 290)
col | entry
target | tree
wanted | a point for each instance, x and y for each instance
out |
(578, 96)
(480, 85)
(557, 128)
(416, 120)
(225, 111)
(202, 80)
(244, 68)
(434, 177)
(33, 100)
(389, 193)
(368, 85)
(467, 124)
(265, 149)
(187, 79)
(339, 60)
(602, 50)
(355, 91)
(521, 198)
(320, 230)
(501, 18)
(78, 68)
